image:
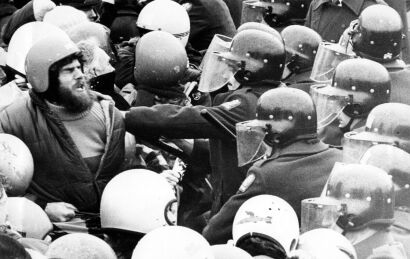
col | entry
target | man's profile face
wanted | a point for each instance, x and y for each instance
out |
(73, 91)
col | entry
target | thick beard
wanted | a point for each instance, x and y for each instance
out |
(75, 103)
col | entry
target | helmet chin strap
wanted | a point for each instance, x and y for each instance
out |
(346, 128)
(233, 84)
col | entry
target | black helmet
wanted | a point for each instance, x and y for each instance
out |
(283, 114)
(378, 34)
(257, 54)
(301, 45)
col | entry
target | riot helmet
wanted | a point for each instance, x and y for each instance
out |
(254, 55)
(387, 123)
(268, 219)
(378, 34)
(365, 194)
(358, 86)
(282, 116)
(301, 44)
(160, 60)
(396, 162)
(165, 15)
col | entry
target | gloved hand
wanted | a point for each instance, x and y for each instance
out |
(173, 177)
(41, 7)
(60, 211)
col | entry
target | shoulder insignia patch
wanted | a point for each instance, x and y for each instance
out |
(232, 104)
(246, 183)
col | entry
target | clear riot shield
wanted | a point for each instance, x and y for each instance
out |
(320, 212)
(250, 144)
(328, 56)
(217, 71)
(329, 102)
(219, 43)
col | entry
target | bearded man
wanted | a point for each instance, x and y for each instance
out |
(77, 140)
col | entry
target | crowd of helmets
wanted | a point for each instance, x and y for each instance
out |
(359, 104)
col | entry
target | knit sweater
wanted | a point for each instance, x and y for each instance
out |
(87, 130)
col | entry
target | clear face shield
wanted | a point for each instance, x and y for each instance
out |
(328, 56)
(266, 12)
(250, 141)
(356, 144)
(329, 102)
(220, 43)
(320, 212)
(218, 70)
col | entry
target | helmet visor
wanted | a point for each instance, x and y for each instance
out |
(217, 71)
(320, 212)
(328, 56)
(249, 140)
(356, 144)
(329, 102)
(219, 43)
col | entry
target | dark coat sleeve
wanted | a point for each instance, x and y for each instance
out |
(219, 228)
(19, 18)
(174, 121)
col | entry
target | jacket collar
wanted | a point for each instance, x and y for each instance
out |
(300, 148)
(354, 5)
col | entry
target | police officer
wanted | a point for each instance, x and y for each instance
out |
(378, 36)
(358, 86)
(366, 196)
(387, 123)
(331, 18)
(293, 164)
(395, 162)
(256, 61)
(301, 45)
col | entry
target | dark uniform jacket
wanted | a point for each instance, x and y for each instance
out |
(401, 227)
(330, 20)
(60, 172)
(174, 121)
(207, 18)
(380, 245)
(297, 172)
(301, 81)
(400, 87)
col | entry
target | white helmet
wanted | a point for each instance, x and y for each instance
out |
(268, 217)
(138, 200)
(80, 246)
(65, 17)
(315, 240)
(16, 164)
(25, 37)
(228, 251)
(28, 218)
(165, 15)
(173, 242)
